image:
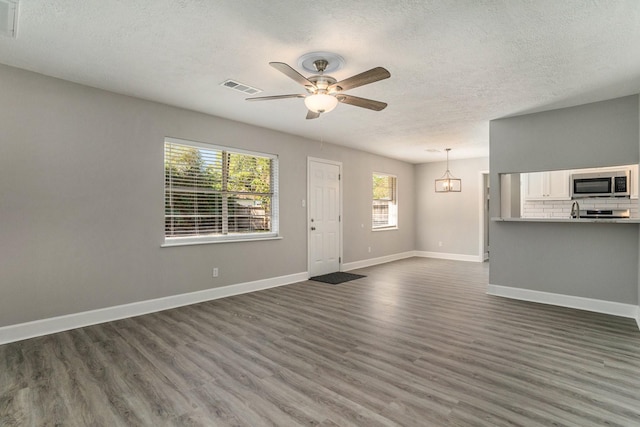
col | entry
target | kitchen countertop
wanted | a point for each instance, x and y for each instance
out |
(569, 220)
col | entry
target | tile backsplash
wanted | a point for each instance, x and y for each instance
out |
(562, 208)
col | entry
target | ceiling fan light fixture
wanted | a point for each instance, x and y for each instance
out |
(325, 92)
(321, 103)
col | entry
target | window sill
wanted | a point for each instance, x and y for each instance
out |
(384, 229)
(208, 242)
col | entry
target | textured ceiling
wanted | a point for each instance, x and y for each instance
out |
(454, 65)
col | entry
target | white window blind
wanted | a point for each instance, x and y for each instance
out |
(218, 193)
(385, 203)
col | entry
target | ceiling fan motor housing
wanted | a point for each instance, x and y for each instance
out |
(322, 84)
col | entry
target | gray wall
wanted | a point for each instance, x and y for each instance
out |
(587, 260)
(450, 218)
(81, 201)
(591, 135)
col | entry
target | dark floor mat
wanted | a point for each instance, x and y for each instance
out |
(336, 278)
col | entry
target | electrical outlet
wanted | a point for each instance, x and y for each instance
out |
(440, 243)
(369, 249)
(215, 272)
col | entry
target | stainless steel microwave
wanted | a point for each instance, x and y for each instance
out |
(601, 184)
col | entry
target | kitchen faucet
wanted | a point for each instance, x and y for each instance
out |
(575, 210)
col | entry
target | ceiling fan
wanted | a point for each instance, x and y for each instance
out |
(324, 92)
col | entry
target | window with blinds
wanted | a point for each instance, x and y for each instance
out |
(215, 193)
(385, 202)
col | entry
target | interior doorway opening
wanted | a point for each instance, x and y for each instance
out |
(484, 248)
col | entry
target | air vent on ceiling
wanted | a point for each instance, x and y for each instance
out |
(8, 17)
(241, 87)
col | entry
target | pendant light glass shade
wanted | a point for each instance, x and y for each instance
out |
(448, 183)
(321, 103)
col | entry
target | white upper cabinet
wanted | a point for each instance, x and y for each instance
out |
(553, 185)
(559, 185)
(634, 181)
(533, 184)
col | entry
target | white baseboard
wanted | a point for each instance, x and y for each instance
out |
(395, 257)
(375, 261)
(581, 303)
(52, 325)
(453, 257)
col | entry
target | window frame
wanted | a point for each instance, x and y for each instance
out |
(393, 204)
(230, 237)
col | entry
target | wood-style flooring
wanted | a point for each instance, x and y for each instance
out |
(415, 343)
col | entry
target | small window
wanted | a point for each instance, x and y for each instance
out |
(385, 201)
(215, 193)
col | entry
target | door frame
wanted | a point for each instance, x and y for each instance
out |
(308, 222)
(484, 216)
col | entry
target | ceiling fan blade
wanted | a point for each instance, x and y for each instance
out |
(268, 98)
(292, 74)
(362, 102)
(312, 115)
(373, 75)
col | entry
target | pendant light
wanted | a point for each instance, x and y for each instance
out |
(448, 183)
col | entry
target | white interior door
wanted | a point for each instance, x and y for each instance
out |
(324, 229)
